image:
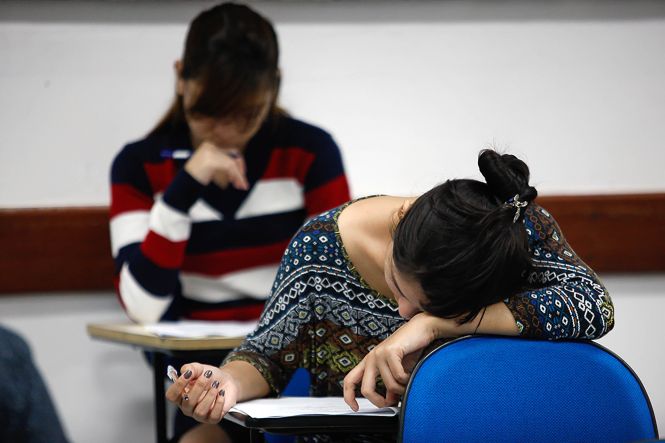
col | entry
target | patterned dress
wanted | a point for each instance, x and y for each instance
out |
(322, 316)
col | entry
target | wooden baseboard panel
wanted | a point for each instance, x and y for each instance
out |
(68, 249)
(613, 233)
(55, 249)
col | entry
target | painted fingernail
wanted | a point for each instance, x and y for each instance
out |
(221, 393)
(186, 397)
(187, 374)
(215, 384)
(207, 374)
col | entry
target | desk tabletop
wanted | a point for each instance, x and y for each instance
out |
(135, 334)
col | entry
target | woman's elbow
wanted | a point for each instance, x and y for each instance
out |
(140, 305)
(599, 319)
(606, 314)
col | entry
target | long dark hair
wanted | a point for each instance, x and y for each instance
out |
(232, 52)
(459, 240)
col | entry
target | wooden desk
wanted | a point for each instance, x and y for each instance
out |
(137, 335)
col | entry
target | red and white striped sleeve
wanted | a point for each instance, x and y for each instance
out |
(148, 236)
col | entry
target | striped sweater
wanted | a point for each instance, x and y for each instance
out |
(184, 250)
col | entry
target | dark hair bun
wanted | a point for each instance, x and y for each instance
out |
(506, 175)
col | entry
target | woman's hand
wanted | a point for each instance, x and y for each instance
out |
(204, 392)
(219, 165)
(394, 359)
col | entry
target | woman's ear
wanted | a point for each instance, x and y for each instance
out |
(179, 82)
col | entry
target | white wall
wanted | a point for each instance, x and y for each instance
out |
(411, 91)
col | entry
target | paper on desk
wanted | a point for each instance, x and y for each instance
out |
(300, 406)
(200, 329)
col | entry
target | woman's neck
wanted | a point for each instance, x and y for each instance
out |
(366, 229)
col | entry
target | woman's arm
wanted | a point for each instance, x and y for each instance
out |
(149, 237)
(395, 357)
(567, 299)
(574, 305)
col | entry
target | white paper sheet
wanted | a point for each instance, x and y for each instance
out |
(201, 329)
(299, 406)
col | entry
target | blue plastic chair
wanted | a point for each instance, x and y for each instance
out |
(500, 389)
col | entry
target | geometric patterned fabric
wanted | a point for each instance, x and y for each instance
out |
(570, 301)
(320, 316)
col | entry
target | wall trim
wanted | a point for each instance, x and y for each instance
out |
(68, 249)
(55, 249)
(613, 233)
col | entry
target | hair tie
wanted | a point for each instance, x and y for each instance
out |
(517, 204)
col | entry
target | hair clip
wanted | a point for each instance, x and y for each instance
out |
(517, 204)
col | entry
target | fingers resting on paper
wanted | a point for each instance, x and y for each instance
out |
(393, 360)
(365, 375)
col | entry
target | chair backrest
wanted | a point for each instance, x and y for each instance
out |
(501, 389)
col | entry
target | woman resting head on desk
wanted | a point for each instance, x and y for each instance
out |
(362, 289)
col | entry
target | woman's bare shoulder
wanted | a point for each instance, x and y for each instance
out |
(369, 218)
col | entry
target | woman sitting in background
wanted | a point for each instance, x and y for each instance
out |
(203, 207)
(362, 289)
